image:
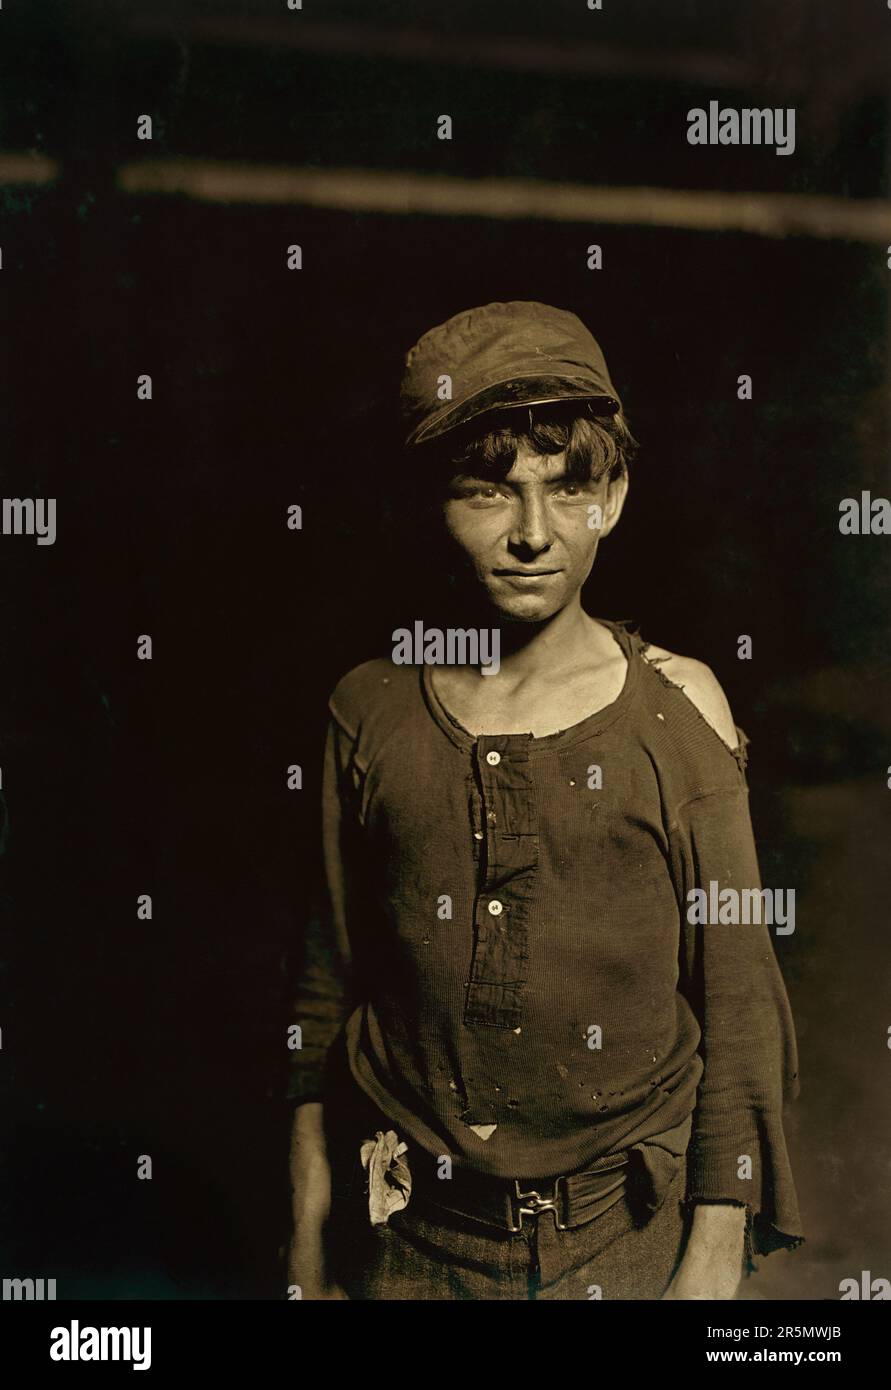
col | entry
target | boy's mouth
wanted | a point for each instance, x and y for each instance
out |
(524, 574)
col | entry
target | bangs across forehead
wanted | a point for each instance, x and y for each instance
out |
(488, 447)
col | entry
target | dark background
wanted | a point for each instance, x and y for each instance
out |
(272, 387)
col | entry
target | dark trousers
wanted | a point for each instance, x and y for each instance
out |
(422, 1254)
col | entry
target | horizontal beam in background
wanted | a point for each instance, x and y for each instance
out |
(407, 194)
(385, 191)
(513, 52)
(28, 168)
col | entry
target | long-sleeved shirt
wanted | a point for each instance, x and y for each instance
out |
(508, 943)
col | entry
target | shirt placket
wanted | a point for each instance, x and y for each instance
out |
(507, 871)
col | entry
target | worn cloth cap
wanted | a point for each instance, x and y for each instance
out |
(498, 356)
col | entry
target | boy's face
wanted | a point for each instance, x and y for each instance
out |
(530, 539)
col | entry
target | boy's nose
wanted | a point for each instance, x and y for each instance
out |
(533, 530)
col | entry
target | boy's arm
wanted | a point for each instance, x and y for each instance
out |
(739, 1177)
(310, 1205)
(324, 999)
(325, 993)
(712, 1262)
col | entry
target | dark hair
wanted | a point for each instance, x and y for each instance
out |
(593, 444)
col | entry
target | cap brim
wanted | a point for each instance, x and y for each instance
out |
(508, 395)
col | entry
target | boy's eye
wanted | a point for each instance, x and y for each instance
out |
(478, 491)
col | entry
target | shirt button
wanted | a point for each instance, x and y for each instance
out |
(495, 907)
(477, 834)
(493, 758)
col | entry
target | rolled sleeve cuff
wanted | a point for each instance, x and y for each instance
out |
(714, 1164)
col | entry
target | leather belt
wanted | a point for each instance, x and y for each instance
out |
(572, 1200)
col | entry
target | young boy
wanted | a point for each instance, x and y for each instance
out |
(529, 1070)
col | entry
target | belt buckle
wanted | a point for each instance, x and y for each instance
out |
(532, 1203)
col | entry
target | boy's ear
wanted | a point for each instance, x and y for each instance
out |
(616, 492)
